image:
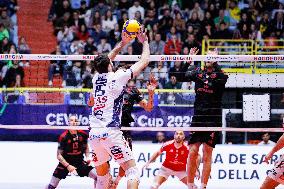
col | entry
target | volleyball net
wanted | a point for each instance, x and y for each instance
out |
(46, 109)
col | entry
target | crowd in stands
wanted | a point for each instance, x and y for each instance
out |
(11, 72)
(175, 26)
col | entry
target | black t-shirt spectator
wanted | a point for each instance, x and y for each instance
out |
(11, 74)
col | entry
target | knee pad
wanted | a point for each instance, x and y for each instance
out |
(53, 182)
(93, 174)
(132, 174)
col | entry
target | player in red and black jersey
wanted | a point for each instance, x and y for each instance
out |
(70, 153)
(209, 88)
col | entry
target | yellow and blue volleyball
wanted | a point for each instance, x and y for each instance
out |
(131, 27)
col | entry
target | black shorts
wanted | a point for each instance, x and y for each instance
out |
(128, 138)
(207, 118)
(83, 170)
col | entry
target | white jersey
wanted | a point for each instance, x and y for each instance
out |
(108, 90)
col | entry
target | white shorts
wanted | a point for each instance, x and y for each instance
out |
(106, 143)
(166, 172)
(277, 173)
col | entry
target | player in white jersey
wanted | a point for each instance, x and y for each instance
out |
(275, 175)
(105, 137)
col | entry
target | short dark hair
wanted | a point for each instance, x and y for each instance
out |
(101, 63)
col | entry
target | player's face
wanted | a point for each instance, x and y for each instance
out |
(73, 121)
(131, 84)
(179, 136)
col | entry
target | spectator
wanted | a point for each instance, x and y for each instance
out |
(197, 9)
(191, 42)
(56, 66)
(95, 19)
(234, 12)
(5, 45)
(244, 20)
(123, 19)
(194, 21)
(173, 46)
(222, 19)
(278, 22)
(87, 76)
(137, 48)
(223, 32)
(123, 5)
(104, 47)
(101, 7)
(77, 21)
(11, 75)
(23, 46)
(150, 19)
(173, 84)
(153, 32)
(61, 22)
(157, 46)
(160, 138)
(64, 38)
(264, 25)
(83, 9)
(138, 17)
(208, 20)
(179, 23)
(165, 22)
(89, 47)
(97, 33)
(178, 70)
(115, 35)
(265, 140)
(161, 73)
(136, 7)
(76, 71)
(6, 20)
(108, 22)
(83, 33)
(4, 33)
(63, 8)
(173, 32)
(129, 52)
(18, 81)
(245, 32)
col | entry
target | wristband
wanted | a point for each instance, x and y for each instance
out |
(67, 165)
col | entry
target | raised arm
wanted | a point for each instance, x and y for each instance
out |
(145, 57)
(190, 71)
(279, 145)
(125, 40)
(151, 86)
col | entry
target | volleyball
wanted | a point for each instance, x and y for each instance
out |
(131, 27)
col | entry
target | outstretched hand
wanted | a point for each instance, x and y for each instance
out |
(125, 38)
(142, 35)
(193, 51)
(152, 84)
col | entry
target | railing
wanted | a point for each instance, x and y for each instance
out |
(247, 47)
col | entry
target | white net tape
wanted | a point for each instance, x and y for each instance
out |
(146, 128)
(213, 58)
